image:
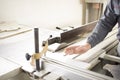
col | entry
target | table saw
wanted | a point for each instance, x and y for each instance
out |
(54, 65)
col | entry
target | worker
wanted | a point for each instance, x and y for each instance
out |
(105, 24)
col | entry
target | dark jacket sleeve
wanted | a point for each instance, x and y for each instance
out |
(104, 25)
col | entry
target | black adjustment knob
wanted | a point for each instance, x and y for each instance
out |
(43, 43)
(58, 28)
(28, 56)
(50, 36)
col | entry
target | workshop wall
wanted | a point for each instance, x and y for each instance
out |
(41, 13)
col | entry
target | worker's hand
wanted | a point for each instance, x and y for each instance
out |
(77, 49)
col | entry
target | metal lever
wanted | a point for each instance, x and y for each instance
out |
(37, 55)
(36, 38)
(61, 29)
(110, 57)
(27, 56)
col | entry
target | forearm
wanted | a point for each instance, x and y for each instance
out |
(98, 34)
(104, 26)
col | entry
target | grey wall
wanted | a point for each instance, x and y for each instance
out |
(41, 13)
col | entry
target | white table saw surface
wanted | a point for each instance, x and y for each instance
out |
(14, 48)
(8, 68)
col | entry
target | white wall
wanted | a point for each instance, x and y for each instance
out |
(41, 13)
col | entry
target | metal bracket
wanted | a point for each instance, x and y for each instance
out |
(39, 55)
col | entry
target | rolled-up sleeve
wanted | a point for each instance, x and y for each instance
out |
(104, 25)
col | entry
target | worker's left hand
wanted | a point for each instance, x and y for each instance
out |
(80, 49)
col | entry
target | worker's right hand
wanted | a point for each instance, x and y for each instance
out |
(80, 49)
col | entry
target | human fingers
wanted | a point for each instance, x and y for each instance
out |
(80, 50)
(70, 50)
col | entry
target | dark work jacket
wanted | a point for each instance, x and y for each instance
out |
(106, 23)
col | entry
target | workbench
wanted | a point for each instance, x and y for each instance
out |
(13, 50)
